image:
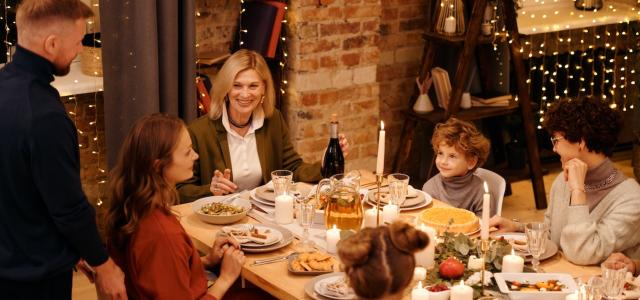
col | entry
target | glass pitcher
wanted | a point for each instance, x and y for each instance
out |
(343, 207)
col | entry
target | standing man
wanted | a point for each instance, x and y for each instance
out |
(46, 223)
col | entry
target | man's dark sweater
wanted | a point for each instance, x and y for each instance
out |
(46, 223)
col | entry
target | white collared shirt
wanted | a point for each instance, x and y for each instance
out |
(245, 162)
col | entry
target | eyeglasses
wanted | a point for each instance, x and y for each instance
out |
(554, 140)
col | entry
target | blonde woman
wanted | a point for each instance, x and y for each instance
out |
(244, 137)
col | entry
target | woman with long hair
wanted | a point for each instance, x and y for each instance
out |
(144, 236)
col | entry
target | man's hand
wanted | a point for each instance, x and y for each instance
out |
(110, 281)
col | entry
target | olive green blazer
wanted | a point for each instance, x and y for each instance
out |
(209, 138)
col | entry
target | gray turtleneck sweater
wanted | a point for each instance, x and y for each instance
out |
(588, 234)
(461, 192)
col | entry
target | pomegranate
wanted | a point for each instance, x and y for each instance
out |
(451, 268)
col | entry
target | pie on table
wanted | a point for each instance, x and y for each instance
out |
(462, 220)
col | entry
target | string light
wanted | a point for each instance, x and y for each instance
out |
(598, 62)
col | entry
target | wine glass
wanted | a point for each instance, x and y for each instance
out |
(537, 236)
(306, 214)
(613, 280)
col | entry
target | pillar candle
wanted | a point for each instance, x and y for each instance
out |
(486, 211)
(380, 160)
(419, 273)
(284, 209)
(370, 216)
(461, 292)
(512, 263)
(573, 296)
(425, 257)
(390, 212)
(450, 24)
(333, 237)
(419, 293)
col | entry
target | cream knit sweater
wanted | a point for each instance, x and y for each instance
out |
(589, 237)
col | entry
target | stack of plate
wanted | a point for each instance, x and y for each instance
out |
(265, 195)
(415, 199)
(518, 242)
(267, 237)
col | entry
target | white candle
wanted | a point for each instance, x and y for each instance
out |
(419, 293)
(380, 160)
(333, 237)
(475, 263)
(512, 263)
(390, 212)
(486, 210)
(419, 273)
(370, 216)
(425, 257)
(461, 292)
(450, 24)
(284, 209)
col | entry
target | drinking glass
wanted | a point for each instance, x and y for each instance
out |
(306, 214)
(593, 288)
(537, 236)
(398, 187)
(281, 180)
(613, 280)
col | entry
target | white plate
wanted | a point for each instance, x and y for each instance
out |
(273, 235)
(427, 200)
(319, 287)
(260, 200)
(566, 279)
(550, 249)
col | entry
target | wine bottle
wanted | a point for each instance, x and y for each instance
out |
(333, 158)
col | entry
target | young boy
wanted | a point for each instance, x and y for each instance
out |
(460, 149)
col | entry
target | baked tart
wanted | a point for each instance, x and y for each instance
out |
(450, 219)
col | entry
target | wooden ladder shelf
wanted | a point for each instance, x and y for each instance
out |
(468, 42)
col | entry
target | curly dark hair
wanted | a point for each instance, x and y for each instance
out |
(588, 119)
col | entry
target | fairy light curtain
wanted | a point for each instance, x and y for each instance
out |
(8, 33)
(599, 61)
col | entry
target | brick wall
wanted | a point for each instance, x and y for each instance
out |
(332, 69)
(216, 22)
(401, 46)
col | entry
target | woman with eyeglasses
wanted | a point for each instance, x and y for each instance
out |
(594, 209)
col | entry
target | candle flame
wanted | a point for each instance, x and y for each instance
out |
(513, 252)
(461, 282)
(419, 284)
(381, 125)
(486, 187)
(334, 228)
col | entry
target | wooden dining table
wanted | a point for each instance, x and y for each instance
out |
(275, 279)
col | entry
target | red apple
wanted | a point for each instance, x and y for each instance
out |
(451, 268)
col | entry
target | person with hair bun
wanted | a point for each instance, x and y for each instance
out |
(379, 262)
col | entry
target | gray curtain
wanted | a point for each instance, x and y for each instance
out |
(149, 63)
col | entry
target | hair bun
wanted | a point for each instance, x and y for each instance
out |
(407, 238)
(355, 249)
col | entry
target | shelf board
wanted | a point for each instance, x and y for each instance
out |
(454, 39)
(473, 113)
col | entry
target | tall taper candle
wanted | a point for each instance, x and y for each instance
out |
(486, 211)
(380, 161)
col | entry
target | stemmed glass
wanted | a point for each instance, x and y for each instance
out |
(613, 280)
(306, 214)
(537, 236)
